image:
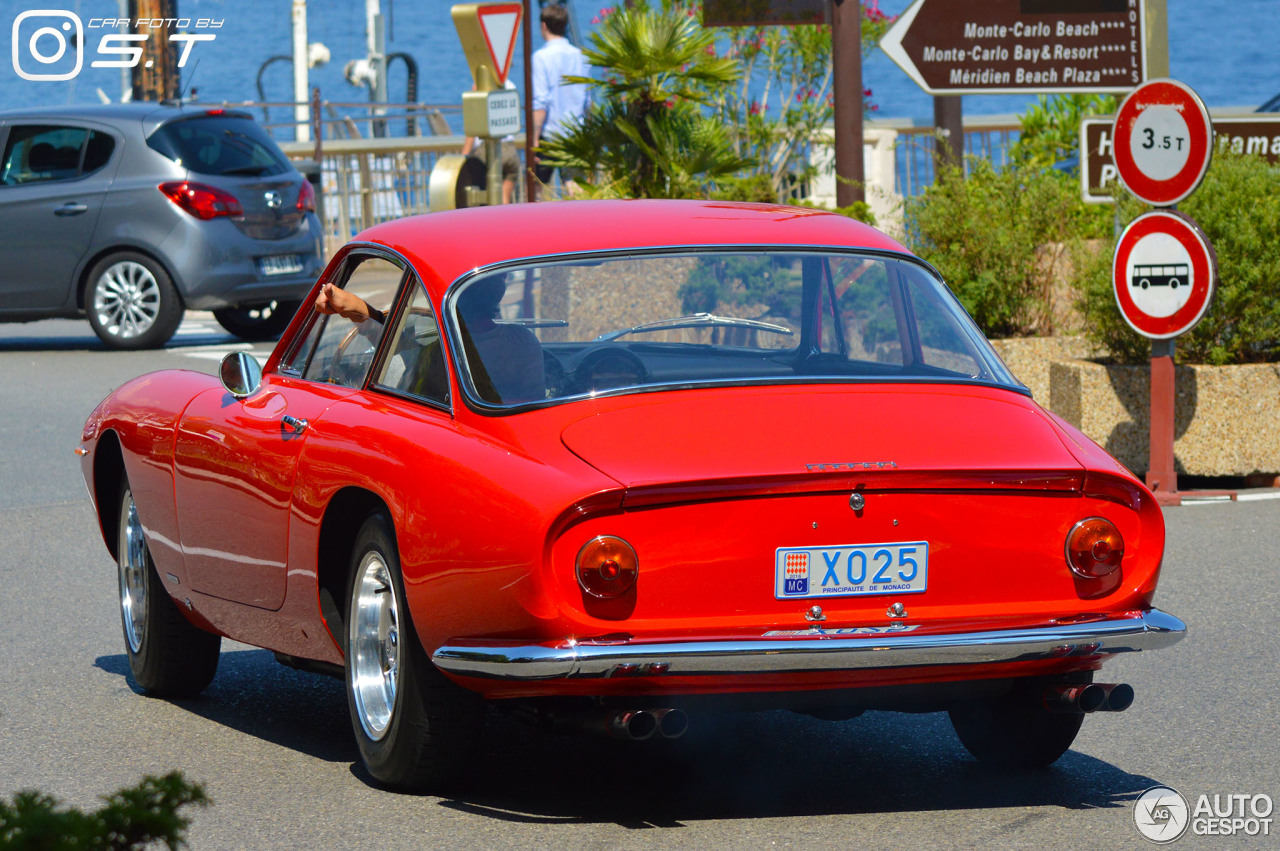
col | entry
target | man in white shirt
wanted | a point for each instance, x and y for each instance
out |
(555, 102)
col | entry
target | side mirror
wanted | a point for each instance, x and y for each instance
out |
(241, 374)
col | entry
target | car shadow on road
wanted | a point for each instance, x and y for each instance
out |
(747, 765)
(75, 336)
(254, 694)
(761, 765)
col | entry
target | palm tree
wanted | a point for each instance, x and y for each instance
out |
(646, 135)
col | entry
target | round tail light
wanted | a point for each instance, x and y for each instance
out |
(607, 567)
(1094, 548)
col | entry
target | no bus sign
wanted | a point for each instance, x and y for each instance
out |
(1164, 272)
(1163, 141)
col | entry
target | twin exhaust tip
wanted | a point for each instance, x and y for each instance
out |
(641, 724)
(1086, 699)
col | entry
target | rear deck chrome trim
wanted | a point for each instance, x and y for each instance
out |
(819, 651)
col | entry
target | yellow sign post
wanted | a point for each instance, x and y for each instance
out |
(490, 111)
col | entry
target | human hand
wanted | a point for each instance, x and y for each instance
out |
(334, 300)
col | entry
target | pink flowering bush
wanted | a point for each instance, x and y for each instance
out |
(784, 98)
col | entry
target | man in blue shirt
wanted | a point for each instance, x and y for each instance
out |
(555, 102)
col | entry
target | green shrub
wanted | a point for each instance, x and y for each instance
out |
(1239, 209)
(982, 232)
(132, 818)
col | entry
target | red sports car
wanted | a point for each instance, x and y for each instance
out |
(613, 465)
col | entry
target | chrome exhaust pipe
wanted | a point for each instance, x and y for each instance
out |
(1075, 699)
(672, 723)
(634, 724)
(1119, 697)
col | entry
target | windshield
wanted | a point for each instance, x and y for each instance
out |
(220, 144)
(571, 328)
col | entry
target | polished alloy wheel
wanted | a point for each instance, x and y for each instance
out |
(126, 299)
(374, 645)
(133, 573)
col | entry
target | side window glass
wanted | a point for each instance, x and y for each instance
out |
(98, 152)
(416, 364)
(42, 153)
(345, 348)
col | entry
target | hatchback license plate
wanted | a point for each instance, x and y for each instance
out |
(852, 570)
(280, 264)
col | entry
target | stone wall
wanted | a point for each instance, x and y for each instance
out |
(1226, 418)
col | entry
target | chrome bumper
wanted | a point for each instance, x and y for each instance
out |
(813, 650)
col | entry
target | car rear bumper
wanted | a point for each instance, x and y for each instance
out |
(807, 651)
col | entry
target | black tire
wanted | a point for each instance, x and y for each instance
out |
(167, 655)
(257, 322)
(1015, 730)
(416, 730)
(131, 302)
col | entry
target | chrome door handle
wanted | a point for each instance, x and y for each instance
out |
(71, 209)
(297, 424)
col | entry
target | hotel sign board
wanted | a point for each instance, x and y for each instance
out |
(964, 47)
(1255, 134)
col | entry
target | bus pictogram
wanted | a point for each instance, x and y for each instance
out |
(1171, 275)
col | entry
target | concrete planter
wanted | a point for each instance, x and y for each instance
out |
(1226, 418)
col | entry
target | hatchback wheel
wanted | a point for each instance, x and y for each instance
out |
(414, 727)
(256, 322)
(168, 656)
(131, 302)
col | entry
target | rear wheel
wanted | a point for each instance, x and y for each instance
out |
(167, 655)
(1015, 730)
(131, 302)
(414, 727)
(255, 322)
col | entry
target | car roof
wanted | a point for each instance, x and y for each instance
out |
(149, 111)
(458, 241)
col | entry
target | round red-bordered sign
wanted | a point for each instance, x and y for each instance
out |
(1163, 274)
(1162, 142)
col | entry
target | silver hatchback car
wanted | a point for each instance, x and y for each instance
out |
(131, 213)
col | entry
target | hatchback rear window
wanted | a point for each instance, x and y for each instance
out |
(220, 144)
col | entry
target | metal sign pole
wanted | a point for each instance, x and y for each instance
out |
(1162, 478)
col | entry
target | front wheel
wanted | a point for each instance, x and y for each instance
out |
(257, 322)
(131, 302)
(1015, 730)
(167, 655)
(414, 727)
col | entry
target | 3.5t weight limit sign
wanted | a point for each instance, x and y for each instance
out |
(1164, 272)
(1163, 142)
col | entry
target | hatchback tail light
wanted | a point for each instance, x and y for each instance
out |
(607, 567)
(306, 197)
(201, 200)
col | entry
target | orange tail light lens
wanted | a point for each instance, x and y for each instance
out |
(1094, 548)
(607, 567)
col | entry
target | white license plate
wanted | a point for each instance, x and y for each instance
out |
(280, 264)
(853, 570)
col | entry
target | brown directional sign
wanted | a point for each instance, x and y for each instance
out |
(954, 47)
(1255, 134)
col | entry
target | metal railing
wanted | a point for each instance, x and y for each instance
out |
(985, 136)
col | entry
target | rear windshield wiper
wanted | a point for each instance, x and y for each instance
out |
(249, 170)
(695, 320)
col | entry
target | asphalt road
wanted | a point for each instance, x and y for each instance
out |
(274, 748)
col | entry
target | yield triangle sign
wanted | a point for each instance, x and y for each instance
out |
(499, 22)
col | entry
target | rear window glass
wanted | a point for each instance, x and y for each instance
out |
(220, 144)
(571, 328)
